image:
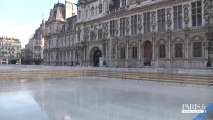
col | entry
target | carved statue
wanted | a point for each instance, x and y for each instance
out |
(153, 20)
(186, 13)
(168, 15)
(127, 26)
(139, 23)
(116, 27)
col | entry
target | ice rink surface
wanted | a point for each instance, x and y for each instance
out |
(88, 98)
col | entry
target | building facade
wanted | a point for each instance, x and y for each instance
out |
(10, 51)
(131, 33)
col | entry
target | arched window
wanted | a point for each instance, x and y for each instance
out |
(197, 46)
(122, 51)
(179, 50)
(134, 50)
(100, 8)
(197, 49)
(162, 51)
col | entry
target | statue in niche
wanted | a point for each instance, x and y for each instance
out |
(168, 15)
(206, 8)
(127, 26)
(186, 13)
(116, 27)
(139, 23)
(153, 20)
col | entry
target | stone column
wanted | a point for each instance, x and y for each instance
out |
(187, 49)
(116, 49)
(110, 51)
(127, 53)
(169, 45)
(127, 49)
(153, 50)
(139, 49)
(139, 52)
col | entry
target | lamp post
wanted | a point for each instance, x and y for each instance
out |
(209, 46)
(208, 16)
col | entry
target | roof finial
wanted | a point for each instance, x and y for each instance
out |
(43, 18)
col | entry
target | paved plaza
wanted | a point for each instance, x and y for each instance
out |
(97, 98)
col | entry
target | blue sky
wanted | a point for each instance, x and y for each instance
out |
(20, 18)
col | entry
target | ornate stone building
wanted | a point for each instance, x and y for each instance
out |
(130, 33)
(60, 35)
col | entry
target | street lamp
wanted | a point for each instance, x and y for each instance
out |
(209, 38)
(209, 34)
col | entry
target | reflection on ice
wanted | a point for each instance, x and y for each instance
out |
(20, 106)
(87, 98)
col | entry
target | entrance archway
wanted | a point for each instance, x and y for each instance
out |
(95, 55)
(147, 53)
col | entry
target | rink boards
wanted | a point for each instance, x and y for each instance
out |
(199, 79)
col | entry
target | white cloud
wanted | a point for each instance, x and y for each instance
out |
(22, 32)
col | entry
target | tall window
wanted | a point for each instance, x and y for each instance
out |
(100, 34)
(100, 8)
(92, 35)
(146, 22)
(197, 49)
(178, 50)
(92, 11)
(122, 53)
(122, 26)
(112, 28)
(134, 24)
(161, 20)
(177, 16)
(134, 52)
(196, 13)
(162, 51)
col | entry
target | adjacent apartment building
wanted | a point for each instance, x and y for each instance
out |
(10, 51)
(34, 49)
(130, 33)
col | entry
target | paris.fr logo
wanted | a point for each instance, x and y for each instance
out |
(193, 108)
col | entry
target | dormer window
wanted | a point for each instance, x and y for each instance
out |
(123, 3)
(86, 13)
(92, 11)
(100, 8)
